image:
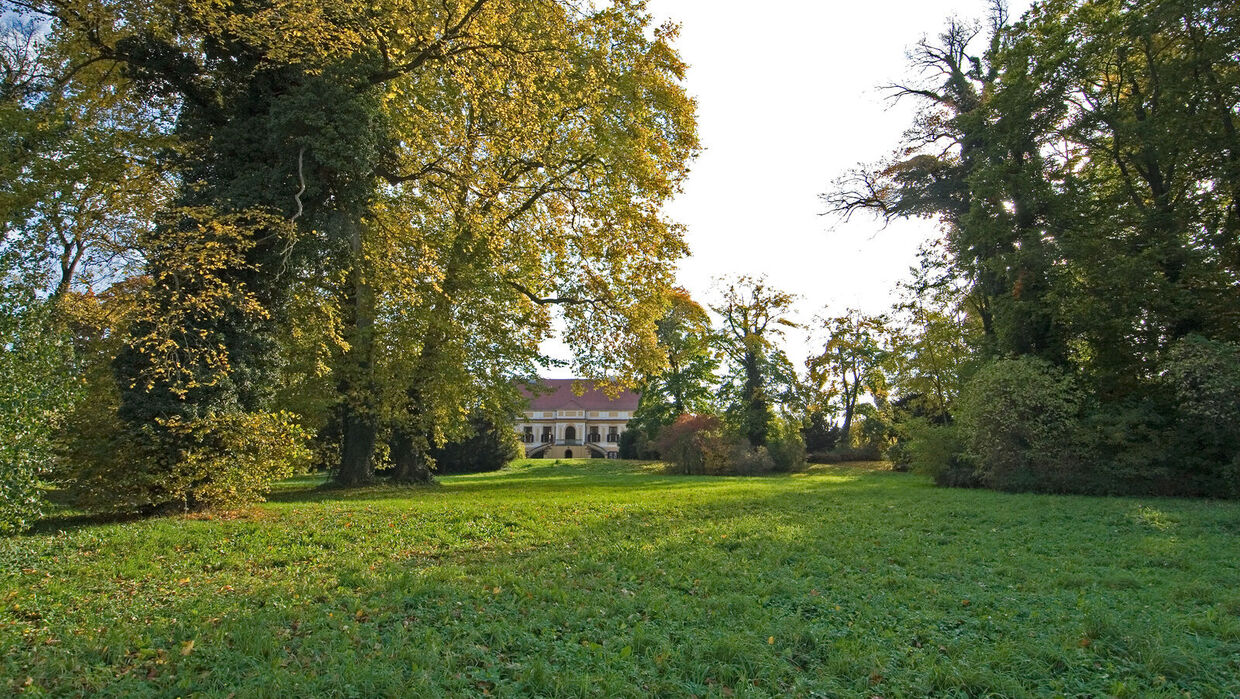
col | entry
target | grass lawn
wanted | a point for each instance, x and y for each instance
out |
(611, 579)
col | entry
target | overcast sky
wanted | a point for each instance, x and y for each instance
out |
(788, 99)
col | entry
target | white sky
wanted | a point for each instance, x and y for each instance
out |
(788, 100)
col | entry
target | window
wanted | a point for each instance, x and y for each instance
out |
(570, 433)
(528, 437)
(594, 434)
(612, 435)
(546, 435)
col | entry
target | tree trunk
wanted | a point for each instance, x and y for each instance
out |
(357, 448)
(410, 435)
(757, 412)
(409, 459)
(357, 390)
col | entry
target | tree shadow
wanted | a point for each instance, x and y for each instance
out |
(586, 589)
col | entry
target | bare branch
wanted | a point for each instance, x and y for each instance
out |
(556, 301)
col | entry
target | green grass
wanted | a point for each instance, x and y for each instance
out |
(593, 578)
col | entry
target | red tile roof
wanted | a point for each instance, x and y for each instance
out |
(561, 396)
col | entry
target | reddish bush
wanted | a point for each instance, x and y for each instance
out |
(695, 444)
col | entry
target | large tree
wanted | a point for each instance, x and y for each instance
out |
(1082, 163)
(973, 160)
(687, 383)
(429, 170)
(853, 363)
(754, 315)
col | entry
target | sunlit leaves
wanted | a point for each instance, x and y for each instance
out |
(196, 250)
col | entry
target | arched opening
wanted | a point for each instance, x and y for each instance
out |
(568, 453)
(570, 433)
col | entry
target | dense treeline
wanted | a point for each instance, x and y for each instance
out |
(1084, 164)
(253, 235)
(1075, 328)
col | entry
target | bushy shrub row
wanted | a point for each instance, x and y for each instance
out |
(1025, 425)
(839, 455)
(220, 461)
(703, 445)
(489, 448)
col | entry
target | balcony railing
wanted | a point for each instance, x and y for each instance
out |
(594, 439)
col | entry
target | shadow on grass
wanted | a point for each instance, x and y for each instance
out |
(72, 522)
(555, 478)
(656, 601)
(532, 475)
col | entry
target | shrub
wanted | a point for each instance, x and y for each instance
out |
(818, 433)
(700, 444)
(628, 443)
(1203, 378)
(872, 428)
(489, 448)
(221, 461)
(841, 455)
(634, 444)
(744, 460)
(39, 388)
(1019, 423)
(785, 445)
(937, 450)
(695, 444)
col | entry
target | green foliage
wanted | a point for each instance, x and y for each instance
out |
(39, 389)
(634, 444)
(1203, 377)
(489, 448)
(854, 363)
(218, 462)
(934, 344)
(786, 447)
(1081, 161)
(842, 455)
(431, 180)
(232, 460)
(818, 432)
(937, 451)
(454, 591)
(703, 445)
(687, 384)
(754, 315)
(744, 460)
(1019, 420)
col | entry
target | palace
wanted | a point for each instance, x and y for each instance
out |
(559, 424)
